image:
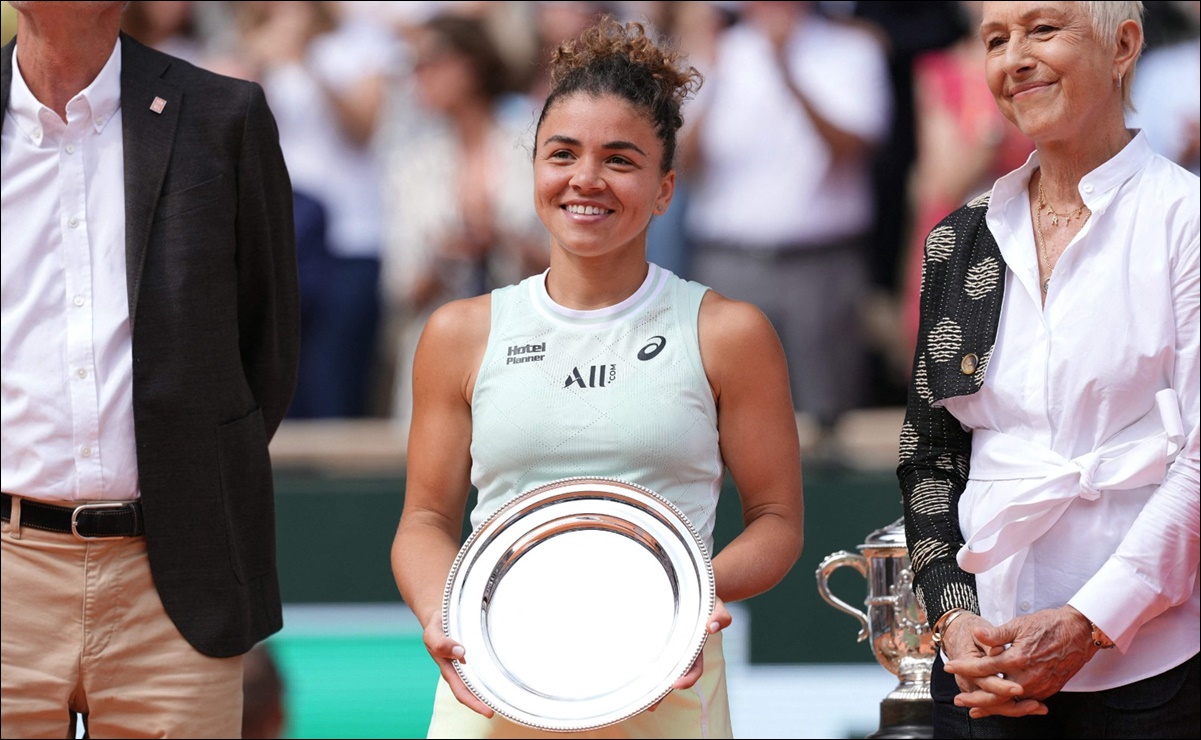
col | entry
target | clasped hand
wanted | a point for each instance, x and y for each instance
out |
(1008, 670)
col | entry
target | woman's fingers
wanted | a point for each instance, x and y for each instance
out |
(720, 618)
(1012, 708)
(693, 675)
(444, 651)
(460, 690)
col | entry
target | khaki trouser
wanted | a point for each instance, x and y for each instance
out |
(84, 631)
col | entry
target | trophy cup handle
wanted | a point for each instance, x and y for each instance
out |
(832, 563)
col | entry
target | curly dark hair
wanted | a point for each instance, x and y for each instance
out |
(612, 58)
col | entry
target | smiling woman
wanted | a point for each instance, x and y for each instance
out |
(639, 378)
(1051, 459)
(598, 177)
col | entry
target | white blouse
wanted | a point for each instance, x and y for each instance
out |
(1084, 482)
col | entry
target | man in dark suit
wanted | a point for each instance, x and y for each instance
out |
(150, 345)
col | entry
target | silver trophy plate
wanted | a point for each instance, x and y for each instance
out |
(579, 604)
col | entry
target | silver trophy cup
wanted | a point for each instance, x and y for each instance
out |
(894, 620)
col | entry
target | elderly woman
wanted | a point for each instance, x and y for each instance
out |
(1049, 456)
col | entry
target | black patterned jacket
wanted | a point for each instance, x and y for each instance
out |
(963, 281)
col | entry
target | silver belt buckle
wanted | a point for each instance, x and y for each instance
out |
(97, 505)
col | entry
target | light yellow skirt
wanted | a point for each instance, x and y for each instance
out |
(702, 711)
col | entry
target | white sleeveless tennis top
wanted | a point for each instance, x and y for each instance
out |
(617, 392)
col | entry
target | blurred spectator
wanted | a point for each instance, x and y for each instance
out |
(458, 179)
(781, 206)
(167, 25)
(695, 26)
(909, 30)
(1167, 95)
(264, 714)
(1167, 22)
(964, 145)
(325, 80)
(554, 22)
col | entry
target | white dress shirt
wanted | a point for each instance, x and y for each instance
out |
(1084, 481)
(769, 178)
(67, 366)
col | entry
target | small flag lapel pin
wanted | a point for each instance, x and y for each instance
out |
(158, 105)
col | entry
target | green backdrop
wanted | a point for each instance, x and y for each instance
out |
(335, 533)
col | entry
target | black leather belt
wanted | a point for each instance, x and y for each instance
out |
(90, 521)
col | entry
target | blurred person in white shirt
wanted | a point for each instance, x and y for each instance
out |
(780, 205)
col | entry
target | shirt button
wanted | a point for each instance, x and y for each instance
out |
(1088, 188)
(37, 136)
(86, 452)
(78, 300)
(1024, 606)
(81, 373)
(70, 148)
(73, 223)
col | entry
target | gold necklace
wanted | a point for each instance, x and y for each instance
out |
(1042, 239)
(1042, 203)
(1042, 244)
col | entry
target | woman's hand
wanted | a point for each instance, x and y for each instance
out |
(1039, 652)
(445, 650)
(983, 687)
(718, 621)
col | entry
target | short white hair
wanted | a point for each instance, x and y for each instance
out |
(1105, 18)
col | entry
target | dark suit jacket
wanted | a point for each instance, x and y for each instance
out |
(213, 310)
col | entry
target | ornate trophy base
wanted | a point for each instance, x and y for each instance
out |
(907, 711)
(905, 718)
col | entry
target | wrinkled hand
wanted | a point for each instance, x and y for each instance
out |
(718, 621)
(1045, 650)
(987, 690)
(444, 650)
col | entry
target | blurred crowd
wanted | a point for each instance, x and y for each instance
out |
(827, 139)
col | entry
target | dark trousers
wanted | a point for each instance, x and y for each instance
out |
(1163, 706)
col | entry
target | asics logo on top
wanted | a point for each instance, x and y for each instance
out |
(520, 353)
(652, 348)
(597, 376)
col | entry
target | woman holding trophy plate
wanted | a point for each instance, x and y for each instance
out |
(607, 367)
